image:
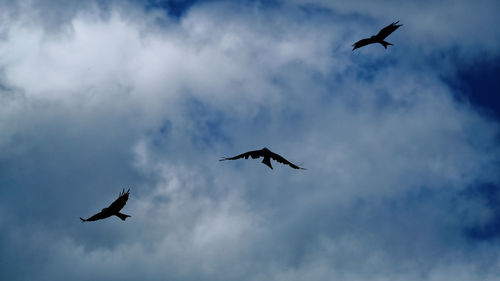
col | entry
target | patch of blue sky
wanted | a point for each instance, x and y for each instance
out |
(478, 82)
(488, 194)
(174, 8)
(207, 123)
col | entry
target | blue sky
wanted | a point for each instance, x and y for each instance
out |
(401, 145)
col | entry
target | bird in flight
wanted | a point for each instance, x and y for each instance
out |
(113, 209)
(379, 38)
(267, 154)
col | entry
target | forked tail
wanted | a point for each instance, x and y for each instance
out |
(385, 44)
(122, 216)
(83, 220)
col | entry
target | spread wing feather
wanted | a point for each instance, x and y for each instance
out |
(280, 159)
(98, 216)
(254, 154)
(120, 202)
(386, 31)
(362, 42)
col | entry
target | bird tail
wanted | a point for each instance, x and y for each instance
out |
(83, 220)
(122, 216)
(385, 44)
(267, 161)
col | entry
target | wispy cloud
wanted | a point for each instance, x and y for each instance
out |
(115, 95)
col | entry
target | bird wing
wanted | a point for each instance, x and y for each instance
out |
(254, 154)
(362, 42)
(386, 31)
(98, 216)
(120, 202)
(282, 160)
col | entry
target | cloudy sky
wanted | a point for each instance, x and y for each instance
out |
(401, 146)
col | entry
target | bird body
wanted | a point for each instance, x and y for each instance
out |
(379, 38)
(266, 154)
(113, 209)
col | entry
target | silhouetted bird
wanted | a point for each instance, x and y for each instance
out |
(267, 154)
(379, 38)
(113, 209)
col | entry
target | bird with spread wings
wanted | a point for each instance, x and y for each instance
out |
(267, 154)
(379, 38)
(113, 209)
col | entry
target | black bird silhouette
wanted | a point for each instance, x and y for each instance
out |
(379, 38)
(267, 154)
(113, 209)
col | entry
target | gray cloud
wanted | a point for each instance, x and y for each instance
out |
(445, 25)
(120, 101)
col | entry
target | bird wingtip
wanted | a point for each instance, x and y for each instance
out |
(123, 192)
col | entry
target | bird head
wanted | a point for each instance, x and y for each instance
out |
(265, 148)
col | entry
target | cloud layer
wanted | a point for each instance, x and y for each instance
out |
(110, 95)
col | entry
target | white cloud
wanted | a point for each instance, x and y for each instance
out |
(116, 101)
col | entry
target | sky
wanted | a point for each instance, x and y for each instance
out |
(401, 146)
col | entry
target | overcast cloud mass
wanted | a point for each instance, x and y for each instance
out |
(403, 163)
